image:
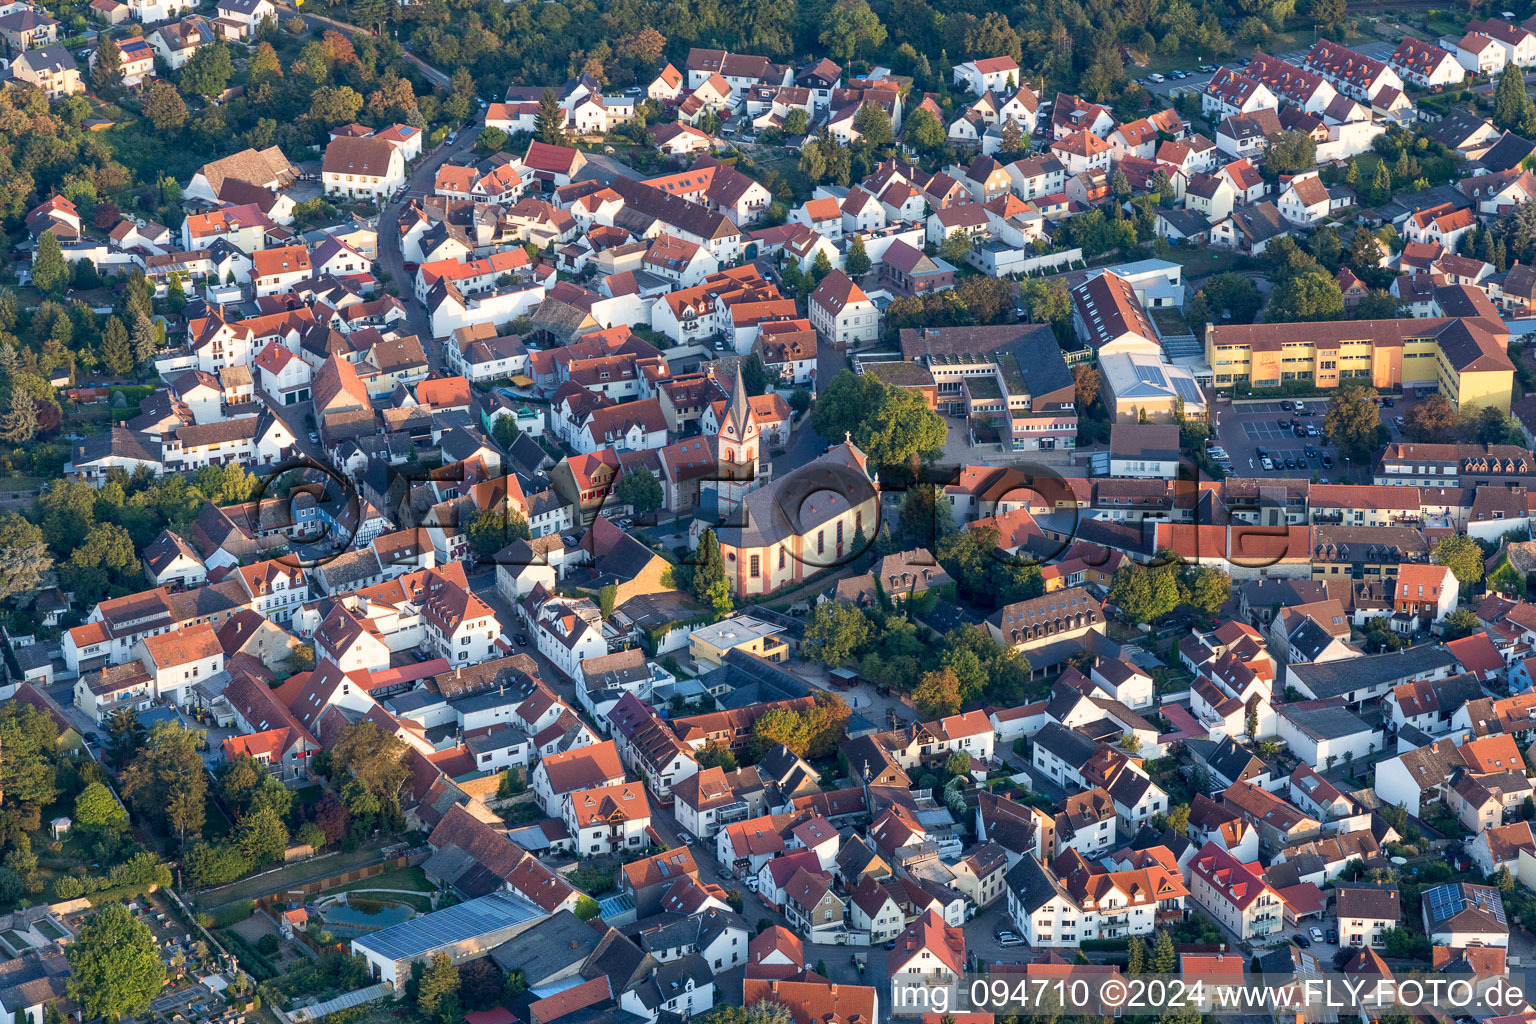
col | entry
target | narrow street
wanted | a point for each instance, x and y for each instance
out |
(390, 259)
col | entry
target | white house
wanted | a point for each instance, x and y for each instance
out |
(993, 74)
(841, 313)
(366, 168)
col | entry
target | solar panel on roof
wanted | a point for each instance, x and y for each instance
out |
(1187, 389)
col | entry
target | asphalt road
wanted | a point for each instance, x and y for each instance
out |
(418, 184)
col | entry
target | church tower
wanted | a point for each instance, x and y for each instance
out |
(737, 447)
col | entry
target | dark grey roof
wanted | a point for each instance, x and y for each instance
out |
(1336, 678)
(1455, 128)
(119, 442)
(1325, 723)
(1031, 885)
(1231, 760)
(561, 943)
(1507, 153)
(1310, 639)
(1072, 747)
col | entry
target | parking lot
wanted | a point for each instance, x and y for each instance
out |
(1248, 427)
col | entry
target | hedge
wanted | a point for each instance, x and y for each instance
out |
(1104, 945)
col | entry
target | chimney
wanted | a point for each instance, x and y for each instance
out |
(573, 943)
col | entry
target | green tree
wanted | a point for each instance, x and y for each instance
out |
(1378, 304)
(608, 599)
(851, 29)
(873, 125)
(1165, 959)
(835, 633)
(640, 489)
(923, 131)
(50, 272)
(29, 739)
(1462, 555)
(1290, 152)
(115, 965)
(1364, 252)
(957, 247)
(1381, 184)
(19, 425)
(167, 783)
(1143, 594)
(24, 556)
(493, 529)
(209, 71)
(1135, 956)
(708, 567)
(937, 694)
(107, 558)
(549, 120)
(437, 994)
(796, 122)
(144, 338)
(505, 431)
(262, 836)
(1209, 589)
(857, 262)
(1432, 421)
(1013, 142)
(1352, 420)
(97, 810)
(1309, 296)
(958, 764)
(264, 65)
(821, 266)
(1511, 106)
(374, 759)
(107, 75)
(116, 354)
(716, 755)
(1461, 622)
(1232, 296)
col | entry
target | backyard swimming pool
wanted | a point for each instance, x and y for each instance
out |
(349, 920)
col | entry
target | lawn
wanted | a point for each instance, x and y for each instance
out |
(1201, 261)
(413, 879)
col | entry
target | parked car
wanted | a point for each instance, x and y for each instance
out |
(411, 268)
(522, 641)
(314, 438)
(1301, 940)
(1327, 461)
(1287, 404)
(1290, 463)
(1283, 424)
(1309, 450)
(1311, 430)
(1333, 936)
(1317, 934)
(1261, 451)
(1264, 461)
(1387, 402)
(1010, 940)
(1155, 78)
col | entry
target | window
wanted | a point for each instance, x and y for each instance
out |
(781, 558)
(839, 532)
(754, 571)
(821, 541)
